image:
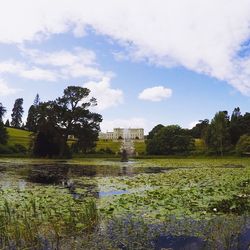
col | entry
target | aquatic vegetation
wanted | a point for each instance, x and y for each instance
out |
(94, 203)
(31, 217)
(193, 192)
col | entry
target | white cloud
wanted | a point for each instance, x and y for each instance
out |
(106, 96)
(6, 90)
(26, 71)
(155, 94)
(203, 36)
(55, 65)
(62, 57)
(133, 122)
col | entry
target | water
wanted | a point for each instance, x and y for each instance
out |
(105, 181)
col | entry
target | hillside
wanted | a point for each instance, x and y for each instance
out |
(19, 136)
(23, 137)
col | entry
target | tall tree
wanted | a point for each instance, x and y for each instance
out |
(236, 126)
(7, 123)
(218, 137)
(3, 131)
(32, 118)
(36, 100)
(2, 111)
(17, 113)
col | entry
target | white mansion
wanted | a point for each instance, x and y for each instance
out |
(122, 133)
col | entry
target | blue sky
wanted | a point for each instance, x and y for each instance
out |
(167, 62)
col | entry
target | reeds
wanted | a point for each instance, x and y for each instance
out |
(34, 219)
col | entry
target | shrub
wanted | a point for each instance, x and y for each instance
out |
(4, 149)
(20, 148)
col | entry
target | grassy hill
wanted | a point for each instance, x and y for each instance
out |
(19, 136)
(23, 137)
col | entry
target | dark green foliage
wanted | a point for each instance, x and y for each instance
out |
(4, 149)
(235, 128)
(154, 131)
(47, 141)
(199, 130)
(3, 134)
(66, 116)
(18, 148)
(36, 101)
(7, 123)
(170, 140)
(87, 139)
(32, 123)
(32, 119)
(3, 131)
(217, 135)
(2, 111)
(17, 113)
(243, 145)
(239, 125)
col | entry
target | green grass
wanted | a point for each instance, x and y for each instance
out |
(140, 147)
(19, 136)
(114, 146)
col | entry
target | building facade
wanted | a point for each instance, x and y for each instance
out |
(123, 134)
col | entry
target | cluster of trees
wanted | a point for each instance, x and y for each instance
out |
(54, 121)
(224, 134)
(169, 140)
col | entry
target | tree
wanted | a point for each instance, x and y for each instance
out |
(3, 131)
(217, 137)
(170, 140)
(17, 113)
(199, 130)
(31, 123)
(32, 118)
(235, 128)
(243, 145)
(7, 123)
(2, 111)
(47, 141)
(70, 115)
(154, 131)
(36, 100)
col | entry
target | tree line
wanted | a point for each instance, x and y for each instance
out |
(53, 122)
(224, 134)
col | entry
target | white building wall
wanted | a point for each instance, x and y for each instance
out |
(131, 133)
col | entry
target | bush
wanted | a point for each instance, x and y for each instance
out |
(243, 145)
(20, 148)
(107, 150)
(4, 149)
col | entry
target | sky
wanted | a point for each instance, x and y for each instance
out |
(146, 61)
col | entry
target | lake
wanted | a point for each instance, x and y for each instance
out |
(141, 204)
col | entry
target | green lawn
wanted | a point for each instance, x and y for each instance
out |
(19, 136)
(140, 147)
(114, 146)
